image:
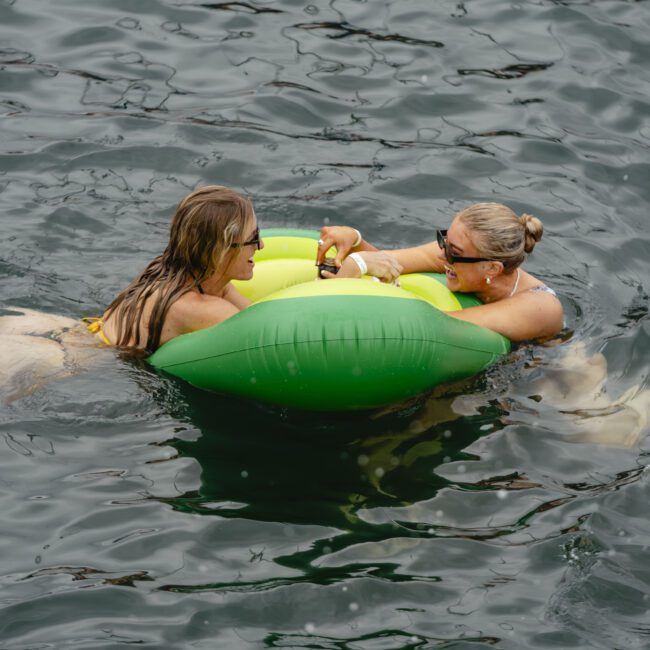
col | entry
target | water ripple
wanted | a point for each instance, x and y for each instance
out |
(507, 511)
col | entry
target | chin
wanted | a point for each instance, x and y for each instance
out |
(453, 284)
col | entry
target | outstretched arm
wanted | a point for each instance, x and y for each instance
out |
(379, 264)
(420, 259)
(425, 258)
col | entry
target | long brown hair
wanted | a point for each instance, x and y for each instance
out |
(499, 234)
(205, 225)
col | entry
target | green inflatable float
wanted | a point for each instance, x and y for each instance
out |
(331, 345)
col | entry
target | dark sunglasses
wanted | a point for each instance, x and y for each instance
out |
(441, 236)
(256, 241)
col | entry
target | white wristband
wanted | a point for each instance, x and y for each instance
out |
(359, 238)
(360, 262)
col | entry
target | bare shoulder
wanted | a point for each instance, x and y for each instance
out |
(235, 297)
(194, 311)
(533, 291)
(526, 316)
(540, 309)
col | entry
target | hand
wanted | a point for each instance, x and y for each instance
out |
(380, 265)
(342, 237)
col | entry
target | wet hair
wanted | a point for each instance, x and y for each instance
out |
(205, 225)
(499, 234)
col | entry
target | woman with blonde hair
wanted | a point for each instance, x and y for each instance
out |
(213, 238)
(482, 253)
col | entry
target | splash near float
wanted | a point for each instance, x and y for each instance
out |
(331, 345)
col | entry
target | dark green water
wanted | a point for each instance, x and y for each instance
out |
(136, 510)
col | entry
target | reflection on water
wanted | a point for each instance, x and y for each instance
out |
(506, 511)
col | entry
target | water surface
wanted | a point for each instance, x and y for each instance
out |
(137, 510)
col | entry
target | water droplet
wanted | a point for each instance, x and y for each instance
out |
(424, 78)
(447, 433)
(379, 472)
(502, 494)
(461, 469)
(310, 628)
(363, 460)
(128, 23)
(244, 474)
(354, 607)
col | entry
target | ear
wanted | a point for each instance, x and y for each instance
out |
(494, 268)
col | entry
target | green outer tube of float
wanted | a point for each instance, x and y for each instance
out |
(331, 346)
(315, 357)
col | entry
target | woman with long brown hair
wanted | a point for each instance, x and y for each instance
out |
(213, 238)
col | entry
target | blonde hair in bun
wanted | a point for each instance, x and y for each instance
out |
(534, 231)
(499, 234)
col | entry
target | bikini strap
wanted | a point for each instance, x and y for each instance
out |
(543, 289)
(94, 325)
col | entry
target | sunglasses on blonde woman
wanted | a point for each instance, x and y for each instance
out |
(441, 236)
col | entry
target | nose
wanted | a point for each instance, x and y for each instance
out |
(260, 246)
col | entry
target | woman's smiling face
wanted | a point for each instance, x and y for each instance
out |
(242, 263)
(239, 263)
(462, 276)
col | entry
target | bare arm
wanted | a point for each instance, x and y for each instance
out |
(420, 259)
(425, 258)
(379, 264)
(523, 317)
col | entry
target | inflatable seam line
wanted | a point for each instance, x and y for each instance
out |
(492, 354)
